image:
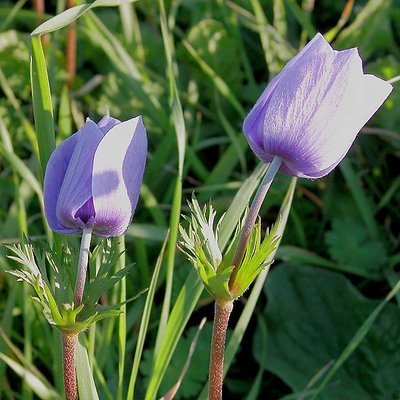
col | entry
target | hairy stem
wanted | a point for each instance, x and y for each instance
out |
(82, 267)
(70, 385)
(216, 373)
(252, 216)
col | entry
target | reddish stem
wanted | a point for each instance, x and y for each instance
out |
(70, 384)
(216, 374)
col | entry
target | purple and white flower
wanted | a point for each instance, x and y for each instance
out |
(93, 178)
(311, 112)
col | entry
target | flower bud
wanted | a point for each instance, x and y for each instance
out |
(93, 178)
(311, 112)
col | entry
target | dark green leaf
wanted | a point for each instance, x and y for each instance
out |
(312, 315)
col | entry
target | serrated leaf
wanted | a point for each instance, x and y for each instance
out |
(215, 282)
(348, 243)
(256, 258)
(100, 284)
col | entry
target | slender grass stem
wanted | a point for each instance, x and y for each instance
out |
(82, 266)
(70, 384)
(222, 312)
(252, 216)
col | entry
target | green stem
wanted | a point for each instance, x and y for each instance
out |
(82, 266)
(216, 373)
(252, 216)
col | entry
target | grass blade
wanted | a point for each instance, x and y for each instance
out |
(43, 390)
(71, 14)
(42, 104)
(302, 18)
(179, 124)
(145, 322)
(86, 387)
(121, 263)
(362, 200)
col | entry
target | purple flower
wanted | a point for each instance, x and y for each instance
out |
(93, 178)
(311, 112)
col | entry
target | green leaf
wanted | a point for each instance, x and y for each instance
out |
(302, 17)
(315, 317)
(216, 282)
(14, 56)
(257, 257)
(364, 203)
(42, 104)
(298, 255)
(218, 82)
(180, 130)
(349, 245)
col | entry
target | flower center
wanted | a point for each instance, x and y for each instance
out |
(86, 213)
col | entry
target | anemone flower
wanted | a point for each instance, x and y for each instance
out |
(311, 112)
(93, 178)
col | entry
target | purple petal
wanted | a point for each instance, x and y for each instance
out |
(117, 176)
(302, 106)
(76, 189)
(311, 112)
(364, 95)
(107, 122)
(53, 179)
(253, 124)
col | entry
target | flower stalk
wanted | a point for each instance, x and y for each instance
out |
(69, 339)
(70, 384)
(222, 313)
(82, 266)
(252, 216)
